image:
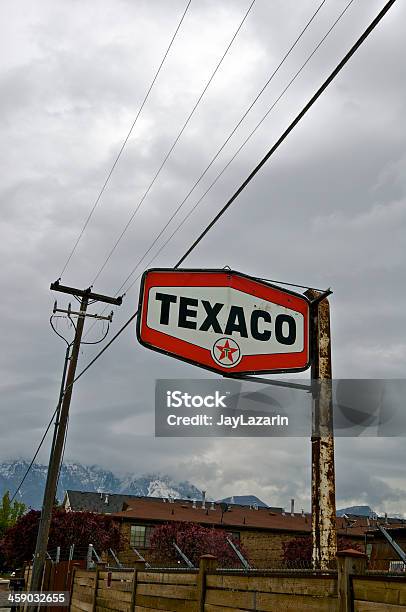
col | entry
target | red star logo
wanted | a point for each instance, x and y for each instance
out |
(226, 352)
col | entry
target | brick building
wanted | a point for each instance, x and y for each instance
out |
(260, 530)
(381, 553)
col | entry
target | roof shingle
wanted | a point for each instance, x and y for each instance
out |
(237, 517)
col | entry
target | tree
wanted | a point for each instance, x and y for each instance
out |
(298, 551)
(194, 541)
(9, 512)
(79, 528)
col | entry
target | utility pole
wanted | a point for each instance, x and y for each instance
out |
(54, 466)
(324, 532)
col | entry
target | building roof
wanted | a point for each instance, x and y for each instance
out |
(397, 531)
(156, 510)
(237, 517)
(91, 501)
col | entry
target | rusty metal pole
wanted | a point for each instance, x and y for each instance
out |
(324, 535)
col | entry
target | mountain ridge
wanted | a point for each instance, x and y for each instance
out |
(81, 477)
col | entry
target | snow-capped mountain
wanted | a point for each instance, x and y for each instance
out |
(88, 478)
(357, 510)
(244, 500)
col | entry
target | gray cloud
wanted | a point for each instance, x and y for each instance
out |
(329, 209)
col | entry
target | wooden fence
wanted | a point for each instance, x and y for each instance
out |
(212, 590)
(376, 593)
(84, 590)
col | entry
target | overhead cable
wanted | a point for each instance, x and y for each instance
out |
(169, 153)
(291, 126)
(220, 174)
(124, 142)
(179, 207)
(266, 157)
(197, 182)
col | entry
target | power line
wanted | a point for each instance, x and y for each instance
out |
(271, 151)
(158, 172)
(87, 298)
(220, 174)
(254, 101)
(124, 142)
(221, 148)
(302, 113)
(282, 61)
(35, 455)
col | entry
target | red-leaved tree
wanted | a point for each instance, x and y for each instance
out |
(79, 528)
(299, 550)
(194, 541)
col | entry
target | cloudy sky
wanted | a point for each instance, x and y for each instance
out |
(329, 209)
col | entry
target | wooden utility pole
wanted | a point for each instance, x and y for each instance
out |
(324, 534)
(61, 425)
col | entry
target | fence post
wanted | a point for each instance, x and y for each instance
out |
(139, 566)
(208, 563)
(349, 562)
(100, 567)
(72, 584)
(89, 557)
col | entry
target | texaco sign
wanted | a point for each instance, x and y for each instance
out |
(224, 321)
